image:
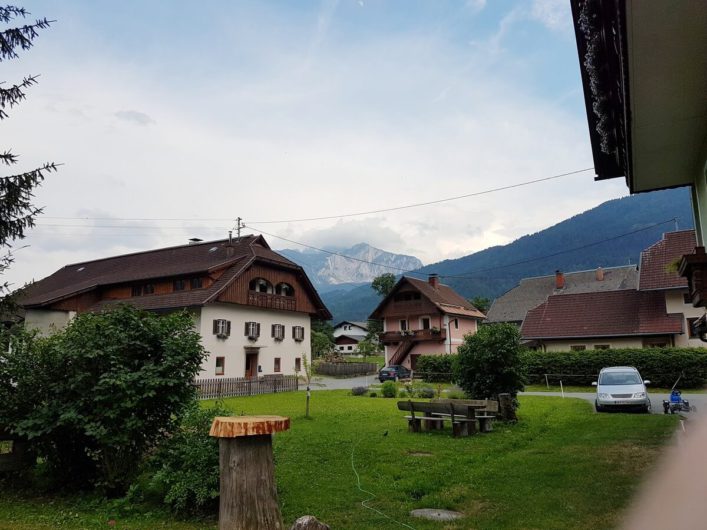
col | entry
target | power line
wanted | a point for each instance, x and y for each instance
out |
(559, 253)
(427, 203)
(465, 277)
(327, 217)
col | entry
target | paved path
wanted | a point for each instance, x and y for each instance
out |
(334, 383)
(698, 400)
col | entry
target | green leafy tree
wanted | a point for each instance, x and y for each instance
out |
(97, 396)
(481, 303)
(375, 328)
(383, 284)
(489, 362)
(323, 326)
(367, 347)
(322, 344)
(17, 214)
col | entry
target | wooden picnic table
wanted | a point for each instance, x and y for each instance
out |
(432, 415)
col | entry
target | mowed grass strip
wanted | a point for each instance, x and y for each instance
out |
(561, 466)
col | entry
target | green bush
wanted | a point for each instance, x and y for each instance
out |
(96, 397)
(662, 366)
(373, 394)
(185, 467)
(359, 391)
(490, 362)
(436, 368)
(426, 392)
(389, 390)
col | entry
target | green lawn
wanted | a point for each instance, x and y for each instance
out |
(561, 466)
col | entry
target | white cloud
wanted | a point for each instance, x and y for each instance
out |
(553, 14)
(134, 116)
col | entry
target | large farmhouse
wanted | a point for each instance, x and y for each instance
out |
(251, 305)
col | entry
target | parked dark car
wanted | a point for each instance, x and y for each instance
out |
(393, 373)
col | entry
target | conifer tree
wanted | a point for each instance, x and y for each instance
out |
(17, 213)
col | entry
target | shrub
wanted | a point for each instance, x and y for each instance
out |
(456, 394)
(403, 393)
(490, 362)
(662, 366)
(426, 392)
(186, 466)
(359, 390)
(436, 368)
(389, 390)
(373, 394)
(125, 377)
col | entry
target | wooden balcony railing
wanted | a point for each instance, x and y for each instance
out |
(414, 335)
(272, 301)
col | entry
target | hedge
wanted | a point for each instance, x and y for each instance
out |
(436, 368)
(662, 366)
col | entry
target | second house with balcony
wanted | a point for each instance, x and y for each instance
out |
(251, 305)
(423, 318)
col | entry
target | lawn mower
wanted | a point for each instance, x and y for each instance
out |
(675, 403)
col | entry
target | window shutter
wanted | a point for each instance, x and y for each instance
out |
(246, 329)
(215, 327)
(257, 329)
(272, 330)
(228, 327)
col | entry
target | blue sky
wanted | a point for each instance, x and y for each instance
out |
(194, 115)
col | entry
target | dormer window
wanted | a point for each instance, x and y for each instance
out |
(140, 290)
(179, 285)
(260, 285)
(197, 283)
(284, 289)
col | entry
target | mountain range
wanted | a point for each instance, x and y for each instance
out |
(611, 234)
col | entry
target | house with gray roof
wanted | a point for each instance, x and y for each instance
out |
(531, 292)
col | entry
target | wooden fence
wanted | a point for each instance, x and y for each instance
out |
(347, 369)
(241, 386)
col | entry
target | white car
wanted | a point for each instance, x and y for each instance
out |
(621, 387)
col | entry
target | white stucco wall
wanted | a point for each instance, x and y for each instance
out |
(675, 303)
(233, 347)
(355, 331)
(47, 321)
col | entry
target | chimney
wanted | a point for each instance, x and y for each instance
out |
(600, 274)
(559, 280)
(434, 280)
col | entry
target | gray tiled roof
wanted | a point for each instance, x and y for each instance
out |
(531, 292)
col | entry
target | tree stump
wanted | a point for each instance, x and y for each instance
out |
(506, 408)
(248, 494)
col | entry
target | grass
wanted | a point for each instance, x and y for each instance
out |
(561, 466)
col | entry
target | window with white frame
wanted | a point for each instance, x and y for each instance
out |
(425, 322)
(278, 331)
(222, 327)
(403, 324)
(298, 333)
(252, 330)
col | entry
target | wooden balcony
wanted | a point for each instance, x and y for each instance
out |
(272, 301)
(414, 335)
(694, 268)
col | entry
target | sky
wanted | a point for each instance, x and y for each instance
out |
(171, 119)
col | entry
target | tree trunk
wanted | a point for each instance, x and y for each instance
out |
(248, 491)
(506, 408)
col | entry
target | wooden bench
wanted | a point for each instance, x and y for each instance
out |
(432, 416)
(486, 410)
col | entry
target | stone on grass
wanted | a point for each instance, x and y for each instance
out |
(309, 522)
(434, 514)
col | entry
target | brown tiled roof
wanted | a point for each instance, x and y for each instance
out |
(605, 314)
(531, 292)
(657, 270)
(444, 297)
(168, 262)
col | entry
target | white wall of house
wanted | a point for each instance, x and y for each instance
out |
(349, 329)
(675, 303)
(47, 321)
(233, 348)
(590, 344)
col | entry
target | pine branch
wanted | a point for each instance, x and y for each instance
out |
(21, 37)
(10, 97)
(7, 13)
(8, 158)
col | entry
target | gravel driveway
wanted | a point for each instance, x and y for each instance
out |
(698, 400)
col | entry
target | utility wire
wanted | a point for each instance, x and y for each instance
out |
(465, 276)
(327, 217)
